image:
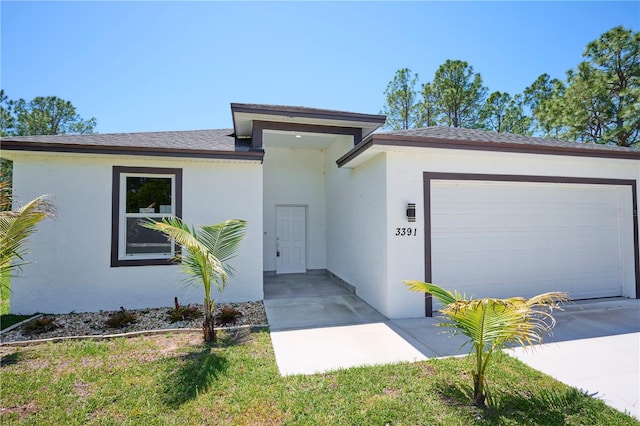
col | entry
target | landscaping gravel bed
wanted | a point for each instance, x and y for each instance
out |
(94, 323)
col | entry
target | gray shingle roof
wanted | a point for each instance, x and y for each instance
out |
(218, 140)
(481, 140)
(220, 143)
(485, 136)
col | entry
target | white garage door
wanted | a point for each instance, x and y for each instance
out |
(503, 239)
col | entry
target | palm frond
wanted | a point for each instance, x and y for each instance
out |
(443, 296)
(6, 196)
(207, 250)
(493, 323)
(196, 259)
(16, 226)
(223, 239)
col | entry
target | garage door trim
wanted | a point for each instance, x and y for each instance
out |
(429, 176)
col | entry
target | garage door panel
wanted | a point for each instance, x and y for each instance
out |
(567, 239)
(595, 285)
(603, 240)
(560, 266)
(487, 219)
(541, 264)
(503, 239)
(536, 220)
(539, 240)
(589, 263)
(594, 242)
(514, 240)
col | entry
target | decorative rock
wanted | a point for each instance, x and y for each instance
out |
(93, 323)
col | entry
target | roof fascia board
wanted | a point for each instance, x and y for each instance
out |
(117, 150)
(311, 113)
(259, 126)
(355, 151)
(421, 142)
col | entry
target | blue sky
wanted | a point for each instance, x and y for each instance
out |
(147, 66)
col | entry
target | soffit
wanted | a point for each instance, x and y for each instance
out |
(298, 140)
(245, 114)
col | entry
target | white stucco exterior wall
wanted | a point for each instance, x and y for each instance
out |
(404, 183)
(357, 225)
(352, 215)
(295, 176)
(70, 255)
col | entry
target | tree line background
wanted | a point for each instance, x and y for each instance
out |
(597, 102)
(43, 115)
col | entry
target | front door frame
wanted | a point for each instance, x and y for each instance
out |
(303, 206)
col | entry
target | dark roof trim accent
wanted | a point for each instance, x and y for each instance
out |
(292, 111)
(355, 151)
(429, 142)
(259, 126)
(120, 150)
(528, 179)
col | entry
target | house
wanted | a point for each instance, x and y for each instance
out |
(324, 191)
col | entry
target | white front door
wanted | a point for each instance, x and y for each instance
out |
(290, 239)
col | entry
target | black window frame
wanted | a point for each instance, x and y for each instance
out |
(118, 171)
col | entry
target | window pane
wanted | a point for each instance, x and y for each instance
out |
(141, 240)
(148, 194)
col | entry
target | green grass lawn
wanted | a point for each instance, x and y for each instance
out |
(176, 379)
(5, 294)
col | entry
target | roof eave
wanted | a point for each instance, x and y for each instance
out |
(423, 142)
(308, 113)
(123, 150)
(243, 116)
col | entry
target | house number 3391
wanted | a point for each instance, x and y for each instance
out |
(406, 232)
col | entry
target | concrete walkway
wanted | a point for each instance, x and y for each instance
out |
(317, 326)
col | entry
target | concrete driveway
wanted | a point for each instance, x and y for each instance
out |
(317, 326)
(595, 347)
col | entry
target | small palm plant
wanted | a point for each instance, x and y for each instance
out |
(205, 254)
(493, 324)
(16, 225)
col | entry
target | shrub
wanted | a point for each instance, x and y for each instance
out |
(41, 325)
(181, 313)
(228, 315)
(120, 319)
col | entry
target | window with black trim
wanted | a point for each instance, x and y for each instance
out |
(141, 194)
